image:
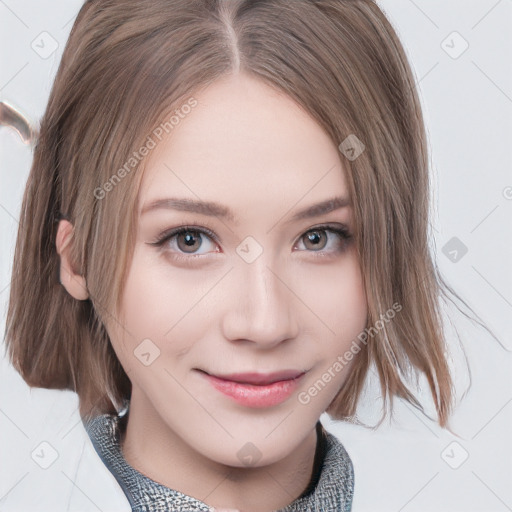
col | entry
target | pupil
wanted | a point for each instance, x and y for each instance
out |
(190, 239)
(314, 238)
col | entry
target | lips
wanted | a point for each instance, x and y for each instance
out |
(259, 379)
(256, 390)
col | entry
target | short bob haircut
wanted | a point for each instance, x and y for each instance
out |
(128, 66)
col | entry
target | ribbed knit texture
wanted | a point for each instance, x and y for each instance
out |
(332, 492)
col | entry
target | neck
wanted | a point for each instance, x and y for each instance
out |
(148, 444)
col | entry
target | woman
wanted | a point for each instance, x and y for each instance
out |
(285, 141)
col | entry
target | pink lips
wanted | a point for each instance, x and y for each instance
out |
(256, 389)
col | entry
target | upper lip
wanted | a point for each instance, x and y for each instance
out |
(260, 379)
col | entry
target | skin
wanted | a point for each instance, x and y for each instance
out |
(254, 150)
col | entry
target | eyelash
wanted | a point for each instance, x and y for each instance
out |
(164, 237)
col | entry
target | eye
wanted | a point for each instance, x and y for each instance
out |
(183, 243)
(186, 240)
(317, 239)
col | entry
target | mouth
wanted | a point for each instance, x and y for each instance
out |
(256, 390)
(259, 379)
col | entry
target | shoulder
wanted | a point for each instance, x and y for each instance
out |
(101, 485)
(334, 490)
(338, 458)
(59, 471)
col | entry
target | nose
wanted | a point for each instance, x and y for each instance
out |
(260, 308)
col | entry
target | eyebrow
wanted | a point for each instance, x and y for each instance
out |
(212, 209)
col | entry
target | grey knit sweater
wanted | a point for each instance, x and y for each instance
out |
(330, 489)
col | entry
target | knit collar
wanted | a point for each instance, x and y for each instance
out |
(330, 490)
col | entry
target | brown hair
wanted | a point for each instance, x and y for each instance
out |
(128, 64)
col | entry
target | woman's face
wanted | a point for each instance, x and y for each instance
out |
(254, 286)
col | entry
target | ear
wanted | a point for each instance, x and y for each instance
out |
(74, 283)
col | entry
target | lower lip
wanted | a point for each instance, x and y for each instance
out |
(256, 396)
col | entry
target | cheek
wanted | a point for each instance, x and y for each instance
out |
(148, 302)
(162, 304)
(157, 295)
(337, 297)
(150, 307)
(342, 306)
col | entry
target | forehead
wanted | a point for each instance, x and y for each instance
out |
(243, 144)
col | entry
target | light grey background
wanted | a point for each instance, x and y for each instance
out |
(410, 464)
